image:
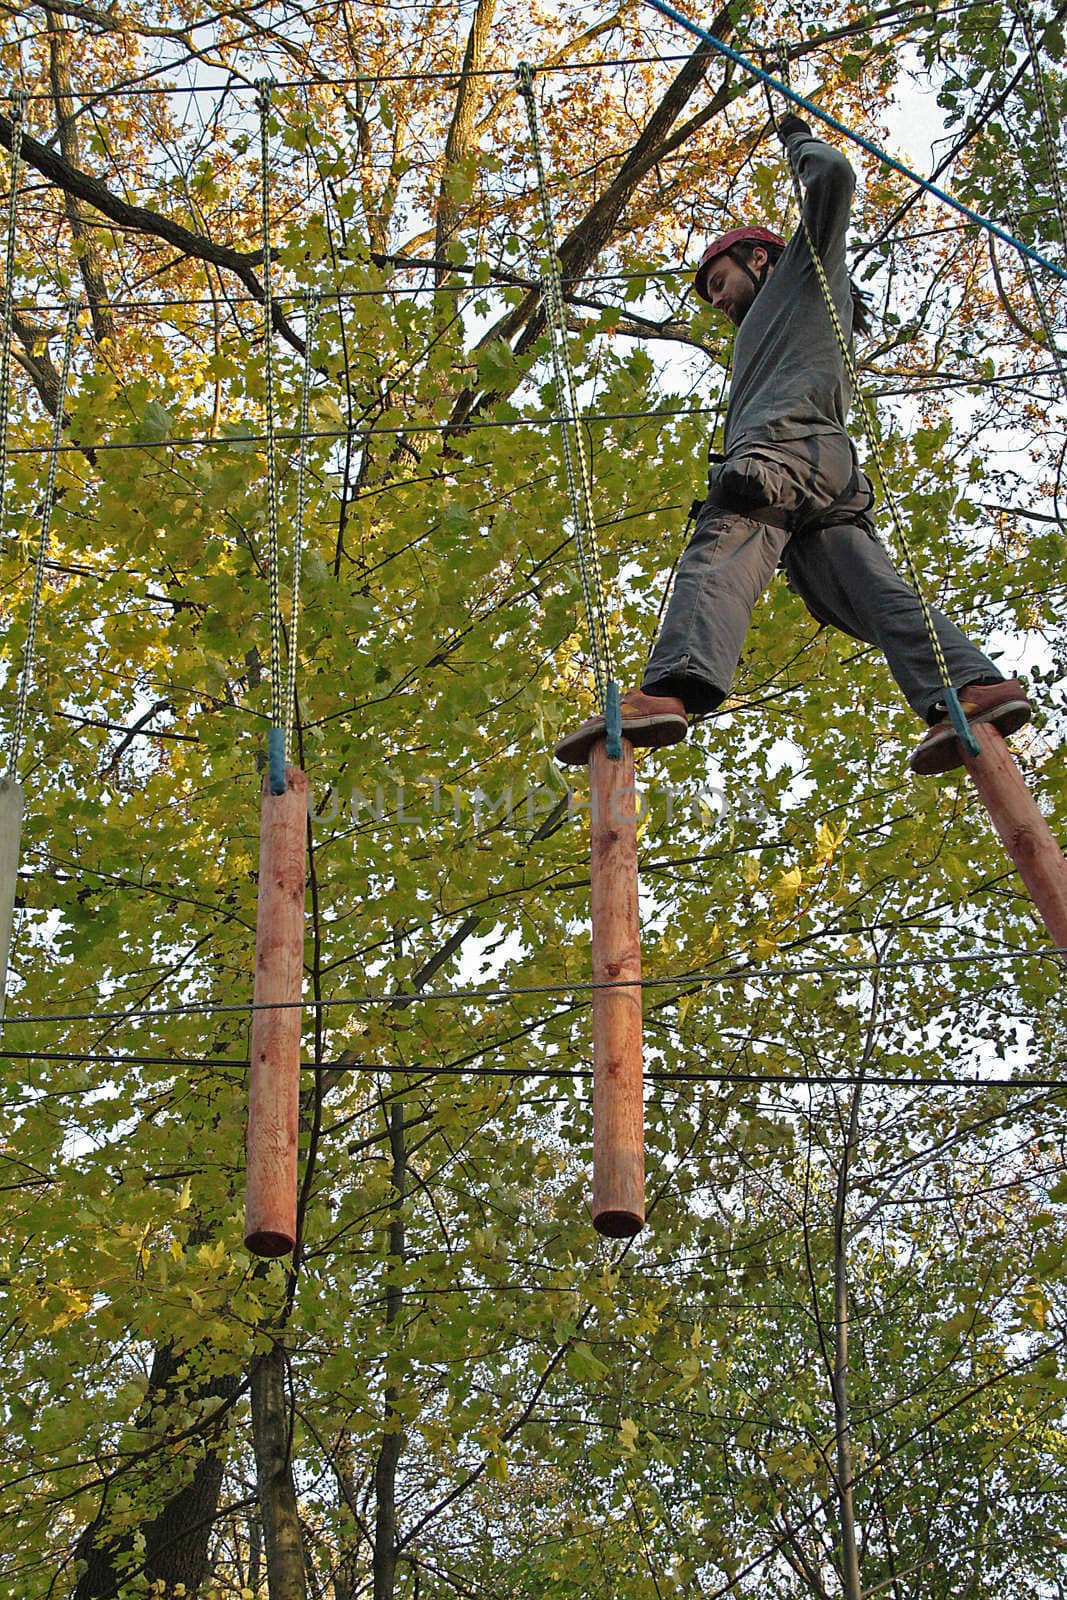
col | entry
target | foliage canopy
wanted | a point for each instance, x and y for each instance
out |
(456, 1389)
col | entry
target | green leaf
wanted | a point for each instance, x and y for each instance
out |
(583, 1365)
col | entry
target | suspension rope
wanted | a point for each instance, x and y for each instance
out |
(1046, 322)
(18, 101)
(1022, 11)
(276, 736)
(846, 132)
(575, 461)
(956, 714)
(311, 317)
(42, 547)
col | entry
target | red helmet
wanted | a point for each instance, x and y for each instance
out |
(722, 246)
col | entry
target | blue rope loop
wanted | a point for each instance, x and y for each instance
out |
(958, 718)
(613, 719)
(276, 760)
(881, 155)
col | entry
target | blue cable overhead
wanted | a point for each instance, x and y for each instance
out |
(857, 138)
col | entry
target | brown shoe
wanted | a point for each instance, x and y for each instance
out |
(649, 720)
(1003, 704)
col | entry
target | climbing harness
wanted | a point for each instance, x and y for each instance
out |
(579, 483)
(276, 736)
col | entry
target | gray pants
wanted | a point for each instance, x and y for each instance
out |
(841, 572)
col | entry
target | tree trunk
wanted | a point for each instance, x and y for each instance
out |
(177, 1539)
(283, 1543)
(255, 1553)
(88, 255)
(348, 1575)
(385, 1529)
(850, 1564)
(461, 146)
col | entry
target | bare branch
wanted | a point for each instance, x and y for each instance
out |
(35, 361)
(140, 219)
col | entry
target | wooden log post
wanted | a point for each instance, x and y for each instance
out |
(11, 809)
(274, 1084)
(618, 1105)
(1023, 829)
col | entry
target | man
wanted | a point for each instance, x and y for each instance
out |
(789, 491)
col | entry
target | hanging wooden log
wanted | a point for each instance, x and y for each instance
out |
(618, 1105)
(12, 803)
(1023, 829)
(274, 1086)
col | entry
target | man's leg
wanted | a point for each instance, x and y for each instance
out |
(724, 569)
(845, 578)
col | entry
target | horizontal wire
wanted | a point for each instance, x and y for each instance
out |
(424, 1070)
(225, 441)
(418, 425)
(859, 971)
(453, 75)
(885, 390)
(448, 76)
(502, 281)
(497, 281)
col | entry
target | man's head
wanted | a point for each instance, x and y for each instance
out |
(733, 270)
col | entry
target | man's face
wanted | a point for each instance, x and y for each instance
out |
(729, 286)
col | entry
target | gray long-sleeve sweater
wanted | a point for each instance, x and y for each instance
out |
(789, 377)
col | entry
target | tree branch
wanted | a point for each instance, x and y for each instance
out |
(586, 240)
(82, 186)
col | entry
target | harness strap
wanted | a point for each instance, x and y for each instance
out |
(773, 516)
(843, 508)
